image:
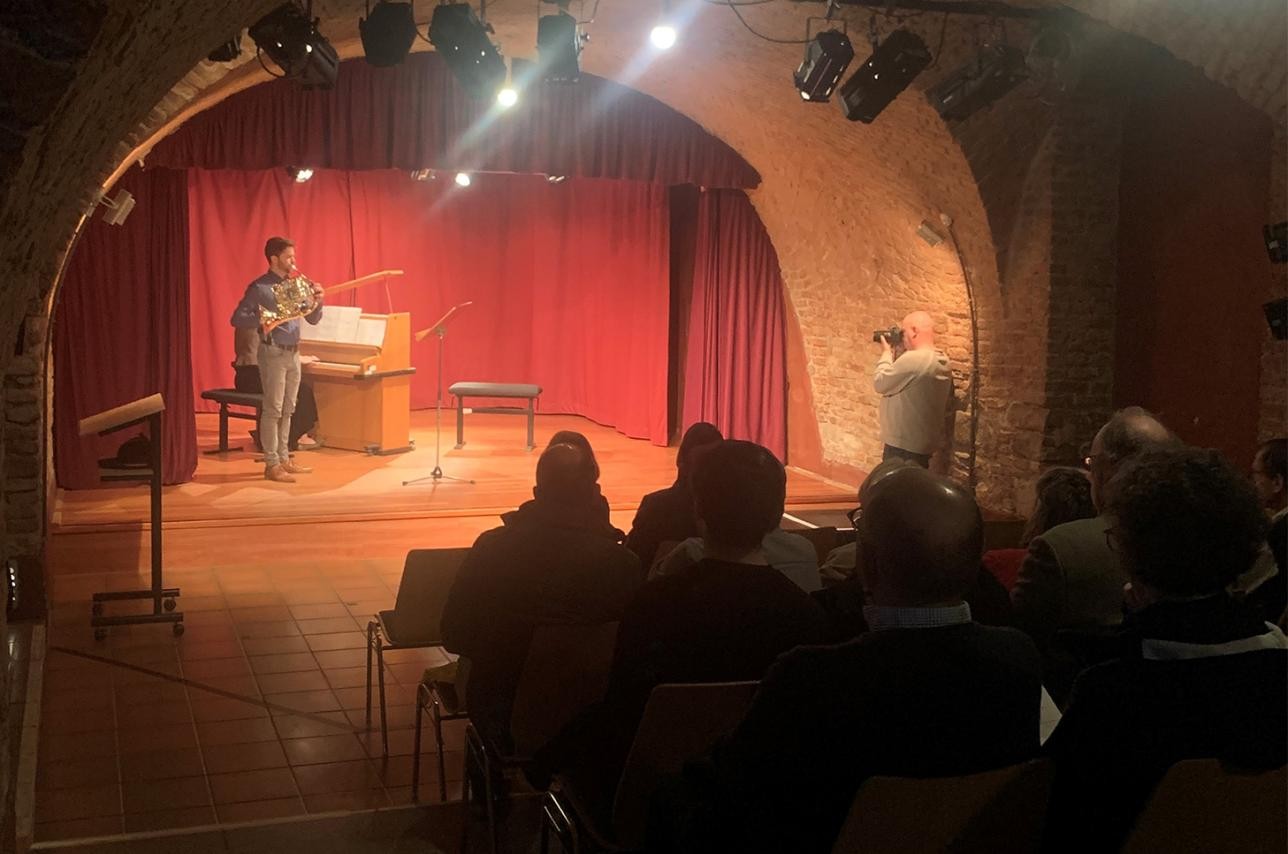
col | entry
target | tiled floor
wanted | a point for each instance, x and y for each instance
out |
(256, 712)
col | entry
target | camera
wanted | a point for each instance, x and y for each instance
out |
(894, 335)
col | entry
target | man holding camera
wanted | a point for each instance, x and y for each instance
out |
(914, 388)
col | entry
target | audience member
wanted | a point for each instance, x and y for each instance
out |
(668, 515)
(916, 388)
(1269, 591)
(724, 619)
(579, 440)
(791, 554)
(553, 561)
(1063, 495)
(844, 563)
(1201, 675)
(1070, 578)
(927, 692)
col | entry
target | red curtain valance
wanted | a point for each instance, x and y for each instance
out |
(416, 116)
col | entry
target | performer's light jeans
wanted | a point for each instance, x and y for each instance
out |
(279, 373)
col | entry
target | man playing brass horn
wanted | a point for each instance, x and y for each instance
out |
(278, 358)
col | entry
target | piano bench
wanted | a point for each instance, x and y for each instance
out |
(518, 391)
(226, 397)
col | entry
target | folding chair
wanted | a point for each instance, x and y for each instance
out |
(414, 621)
(680, 722)
(822, 539)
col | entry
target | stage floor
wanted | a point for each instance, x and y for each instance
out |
(354, 504)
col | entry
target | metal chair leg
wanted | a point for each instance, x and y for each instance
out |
(437, 713)
(372, 628)
(384, 718)
(421, 693)
(491, 801)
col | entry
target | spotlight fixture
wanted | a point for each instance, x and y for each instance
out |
(294, 44)
(893, 65)
(558, 46)
(663, 36)
(827, 56)
(1276, 237)
(387, 33)
(995, 71)
(507, 97)
(556, 179)
(422, 175)
(462, 40)
(118, 209)
(928, 233)
(463, 179)
(299, 174)
(228, 51)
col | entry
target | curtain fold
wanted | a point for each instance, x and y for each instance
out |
(569, 281)
(415, 116)
(735, 372)
(121, 331)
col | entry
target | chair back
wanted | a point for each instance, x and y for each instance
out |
(996, 812)
(427, 578)
(664, 549)
(679, 723)
(566, 671)
(1203, 806)
(822, 539)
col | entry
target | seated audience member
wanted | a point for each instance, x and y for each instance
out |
(844, 563)
(579, 440)
(724, 619)
(554, 561)
(1070, 578)
(1201, 674)
(791, 554)
(925, 693)
(667, 515)
(1268, 591)
(1063, 495)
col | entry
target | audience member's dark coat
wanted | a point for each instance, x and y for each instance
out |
(548, 564)
(1271, 597)
(903, 702)
(667, 515)
(1129, 720)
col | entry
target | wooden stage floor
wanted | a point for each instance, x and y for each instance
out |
(354, 505)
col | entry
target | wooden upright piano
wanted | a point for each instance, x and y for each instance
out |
(361, 379)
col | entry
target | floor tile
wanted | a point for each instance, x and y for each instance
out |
(159, 714)
(259, 810)
(283, 663)
(221, 709)
(341, 801)
(342, 640)
(166, 819)
(70, 721)
(347, 677)
(338, 658)
(275, 629)
(305, 701)
(308, 726)
(78, 829)
(77, 803)
(336, 777)
(264, 784)
(151, 738)
(222, 733)
(216, 668)
(150, 694)
(318, 612)
(89, 745)
(76, 773)
(190, 650)
(323, 749)
(252, 756)
(303, 680)
(275, 646)
(156, 795)
(397, 717)
(328, 625)
(161, 765)
(261, 614)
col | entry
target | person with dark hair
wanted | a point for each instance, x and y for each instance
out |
(925, 693)
(724, 619)
(598, 501)
(1070, 579)
(553, 561)
(273, 358)
(668, 515)
(1200, 674)
(1270, 480)
(1063, 494)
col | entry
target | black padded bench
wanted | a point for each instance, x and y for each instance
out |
(518, 391)
(227, 397)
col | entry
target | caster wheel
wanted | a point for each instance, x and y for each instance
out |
(168, 604)
(178, 629)
(96, 609)
(100, 634)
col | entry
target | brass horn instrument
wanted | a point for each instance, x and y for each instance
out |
(293, 297)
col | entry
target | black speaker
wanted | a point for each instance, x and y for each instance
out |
(1277, 316)
(892, 66)
(387, 35)
(1276, 242)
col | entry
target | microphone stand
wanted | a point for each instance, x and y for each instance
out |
(439, 329)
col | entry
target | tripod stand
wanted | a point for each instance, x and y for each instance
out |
(439, 329)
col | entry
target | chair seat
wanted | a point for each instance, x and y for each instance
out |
(233, 396)
(401, 630)
(494, 390)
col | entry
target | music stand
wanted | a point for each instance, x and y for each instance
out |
(439, 329)
(144, 410)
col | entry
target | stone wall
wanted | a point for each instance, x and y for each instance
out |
(1273, 418)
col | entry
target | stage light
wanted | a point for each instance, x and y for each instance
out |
(826, 57)
(228, 51)
(556, 179)
(995, 71)
(300, 174)
(387, 33)
(463, 179)
(422, 174)
(507, 97)
(893, 65)
(462, 40)
(293, 42)
(927, 232)
(663, 36)
(118, 209)
(558, 46)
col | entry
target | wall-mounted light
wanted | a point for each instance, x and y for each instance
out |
(118, 209)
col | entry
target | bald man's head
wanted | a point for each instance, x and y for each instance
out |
(1129, 433)
(918, 331)
(923, 537)
(564, 475)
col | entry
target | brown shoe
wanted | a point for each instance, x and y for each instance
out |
(278, 473)
(295, 468)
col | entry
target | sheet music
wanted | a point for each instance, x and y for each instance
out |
(371, 331)
(339, 323)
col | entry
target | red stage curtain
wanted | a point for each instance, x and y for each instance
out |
(569, 281)
(121, 330)
(415, 116)
(735, 373)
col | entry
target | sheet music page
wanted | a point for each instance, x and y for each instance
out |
(371, 331)
(339, 323)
